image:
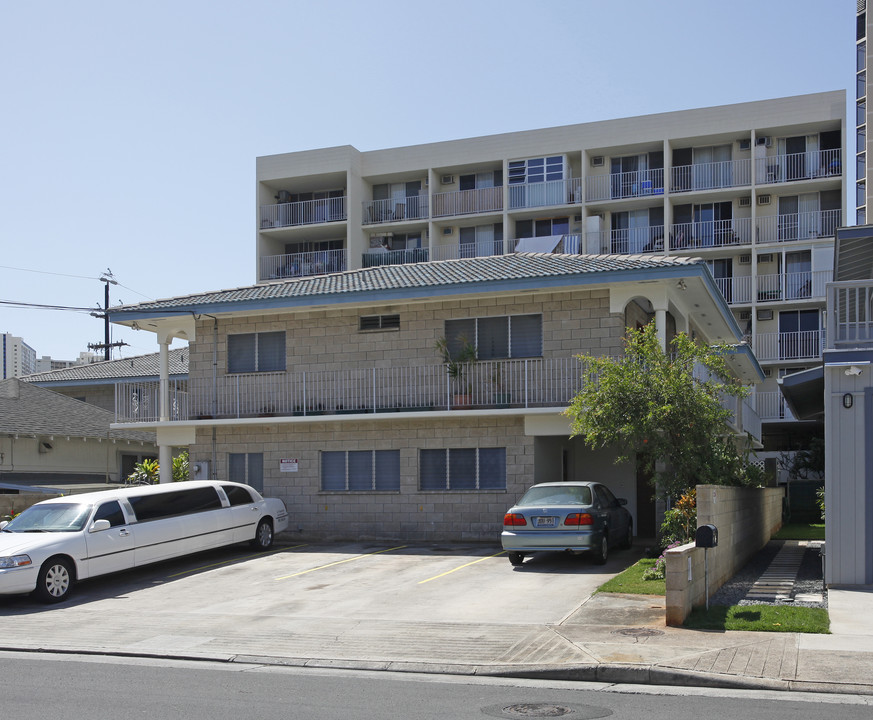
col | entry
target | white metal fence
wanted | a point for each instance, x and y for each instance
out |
(274, 267)
(850, 313)
(711, 233)
(468, 202)
(413, 207)
(636, 183)
(798, 166)
(799, 345)
(306, 212)
(797, 226)
(709, 176)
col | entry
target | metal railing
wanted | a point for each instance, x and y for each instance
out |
(751, 419)
(375, 258)
(710, 176)
(850, 313)
(637, 183)
(628, 241)
(468, 202)
(793, 286)
(798, 166)
(736, 290)
(413, 207)
(711, 233)
(553, 192)
(772, 406)
(140, 401)
(797, 226)
(798, 345)
(319, 262)
(306, 212)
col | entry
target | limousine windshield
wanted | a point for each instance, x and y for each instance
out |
(57, 517)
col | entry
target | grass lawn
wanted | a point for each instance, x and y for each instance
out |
(631, 581)
(801, 531)
(762, 618)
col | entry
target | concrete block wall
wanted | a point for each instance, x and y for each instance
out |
(10, 503)
(746, 519)
(408, 514)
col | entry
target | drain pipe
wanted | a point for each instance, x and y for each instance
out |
(214, 394)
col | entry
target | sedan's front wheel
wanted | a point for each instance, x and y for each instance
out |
(516, 558)
(55, 580)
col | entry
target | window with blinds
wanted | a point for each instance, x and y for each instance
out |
(246, 468)
(508, 336)
(462, 469)
(360, 470)
(256, 352)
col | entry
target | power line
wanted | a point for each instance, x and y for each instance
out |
(39, 306)
(46, 272)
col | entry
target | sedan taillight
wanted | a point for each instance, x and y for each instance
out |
(514, 519)
(579, 519)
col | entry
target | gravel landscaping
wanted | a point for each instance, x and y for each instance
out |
(809, 579)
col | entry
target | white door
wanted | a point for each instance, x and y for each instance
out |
(110, 550)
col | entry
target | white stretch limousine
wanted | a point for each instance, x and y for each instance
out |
(53, 544)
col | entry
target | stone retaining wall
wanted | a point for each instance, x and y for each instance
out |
(745, 518)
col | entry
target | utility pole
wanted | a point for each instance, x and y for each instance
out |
(107, 278)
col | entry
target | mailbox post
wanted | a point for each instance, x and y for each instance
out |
(706, 537)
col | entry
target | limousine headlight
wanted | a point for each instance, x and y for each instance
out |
(14, 561)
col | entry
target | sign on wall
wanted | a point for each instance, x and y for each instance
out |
(288, 465)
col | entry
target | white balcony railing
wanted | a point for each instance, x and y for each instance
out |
(793, 286)
(772, 406)
(627, 241)
(736, 290)
(307, 212)
(409, 256)
(751, 419)
(711, 234)
(320, 262)
(637, 183)
(468, 202)
(798, 166)
(798, 345)
(797, 226)
(850, 313)
(140, 402)
(413, 207)
(710, 176)
(554, 192)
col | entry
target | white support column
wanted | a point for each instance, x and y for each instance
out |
(165, 461)
(661, 327)
(164, 401)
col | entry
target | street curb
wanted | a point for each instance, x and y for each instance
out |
(617, 673)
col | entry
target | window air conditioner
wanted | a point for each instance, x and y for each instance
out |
(765, 314)
(745, 260)
(448, 230)
(447, 179)
(745, 201)
(745, 314)
(764, 140)
(763, 199)
(768, 372)
(745, 144)
(765, 257)
(597, 161)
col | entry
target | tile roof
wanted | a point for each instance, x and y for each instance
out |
(26, 409)
(141, 366)
(428, 276)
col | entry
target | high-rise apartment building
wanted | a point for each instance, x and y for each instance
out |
(756, 189)
(862, 56)
(17, 358)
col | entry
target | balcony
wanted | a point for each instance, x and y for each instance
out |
(772, 406)
(544, 194)
(307, 212)
(638, 183)
(413, 207)
(378, 258)
(850, 314)
(628, 241)
(305, 264)
(711, 234)
(798, 166)
(798, 345)
(793, 286)
(797, 226)
(711, 176)
(468, 202)
(736, 290)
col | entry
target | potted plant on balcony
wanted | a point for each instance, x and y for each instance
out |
(458, 364)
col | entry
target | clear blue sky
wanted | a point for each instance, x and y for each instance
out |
(129, 131)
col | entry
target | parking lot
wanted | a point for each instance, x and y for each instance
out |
(409, 583)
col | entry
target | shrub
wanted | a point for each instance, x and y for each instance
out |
(659, 570)
(680, 522)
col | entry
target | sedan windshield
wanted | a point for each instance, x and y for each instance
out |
(555, 495)
(54, 517)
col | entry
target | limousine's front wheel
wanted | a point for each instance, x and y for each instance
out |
(263, 535)
(55, 580)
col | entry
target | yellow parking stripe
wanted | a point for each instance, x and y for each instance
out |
(227, 562)
(339, 562)
(460, 567)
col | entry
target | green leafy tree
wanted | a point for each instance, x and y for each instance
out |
(144, 473)
(665, 409)
(180, 467)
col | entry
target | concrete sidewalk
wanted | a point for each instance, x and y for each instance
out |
(608, 637)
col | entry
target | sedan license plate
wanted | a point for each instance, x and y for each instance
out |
(545, 521)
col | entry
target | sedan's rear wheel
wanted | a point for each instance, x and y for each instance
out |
(516, 558)
(263, 539)
(601, 553)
